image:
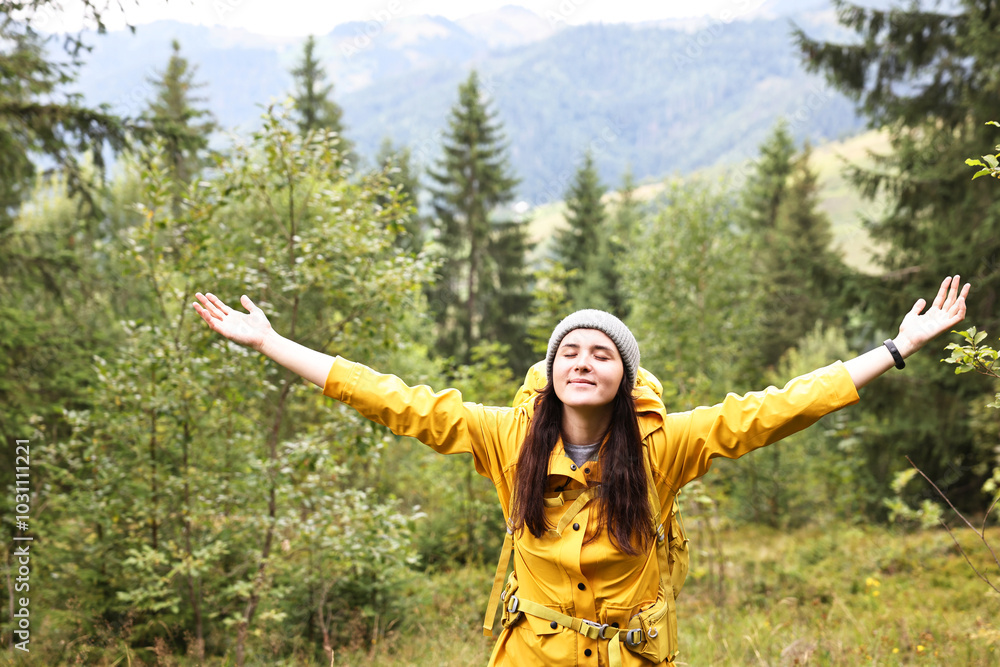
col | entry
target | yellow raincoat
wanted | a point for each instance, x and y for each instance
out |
(573, 574)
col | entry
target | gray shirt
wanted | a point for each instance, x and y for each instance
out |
(582, 453)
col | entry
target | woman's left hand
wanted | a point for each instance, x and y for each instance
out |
(947, 310)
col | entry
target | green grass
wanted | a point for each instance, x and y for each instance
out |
(837, 595)
(840, 596)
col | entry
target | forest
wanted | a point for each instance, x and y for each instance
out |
(174, 499)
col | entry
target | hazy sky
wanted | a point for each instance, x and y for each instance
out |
(303, 17)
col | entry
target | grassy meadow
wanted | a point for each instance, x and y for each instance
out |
(832, 595)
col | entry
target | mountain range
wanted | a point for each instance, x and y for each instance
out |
(658, 98)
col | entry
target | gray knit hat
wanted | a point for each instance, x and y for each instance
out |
(602, 321)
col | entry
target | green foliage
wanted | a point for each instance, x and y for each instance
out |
(39, 117)
(990, 168)
(482, 291)
(768, 181)
(213, 474)
(398, 166)
(693, 311)
(929, 513)
(798, 272)
(973, 355)
(816, 476)
(549, 306)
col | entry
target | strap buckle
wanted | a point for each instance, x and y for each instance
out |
(629, 638)
(601, 628)
(512, 604)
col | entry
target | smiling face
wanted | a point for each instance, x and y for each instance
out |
(587, 369)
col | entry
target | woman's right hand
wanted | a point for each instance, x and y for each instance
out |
(250, 328)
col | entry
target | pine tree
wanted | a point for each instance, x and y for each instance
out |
(184, 128)
(312, 97)
(482, 291)
(807, 272)
(797, 270)
(627, 229)
(766, 185)
(586, 248)
(39, 117)
(928, 76)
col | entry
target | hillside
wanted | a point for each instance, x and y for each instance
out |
(838, 199)
(662, 99)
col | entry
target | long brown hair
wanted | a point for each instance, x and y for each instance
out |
(623, 502)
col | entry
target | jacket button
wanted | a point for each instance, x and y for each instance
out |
(553, 625)
(572, 466)
(588, 653)
(581, 587)
(576, 526)
(586, 470)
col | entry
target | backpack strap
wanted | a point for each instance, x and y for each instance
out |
(579, 498)
(491, 607)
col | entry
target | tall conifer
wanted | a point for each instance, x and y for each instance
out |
(928, 73)
(185, 129)
(798, 271)
(482, 291)
(766, 186)
(313, 102)
(929, 76)
(587, 247)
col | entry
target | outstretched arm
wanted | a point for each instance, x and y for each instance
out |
(253, 330)
(947, 310)
(442, 420)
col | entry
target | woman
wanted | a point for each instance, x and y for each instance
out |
(586, 463)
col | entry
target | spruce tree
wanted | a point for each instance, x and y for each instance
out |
(173, 114)
(807, 273)
(482, 291)
(586, 248)
(765, 188)
(929, 76)
(627, 229)
(39, 117)
(798, 272)
(313, 103)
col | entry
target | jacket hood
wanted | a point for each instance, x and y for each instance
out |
(648, 395)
